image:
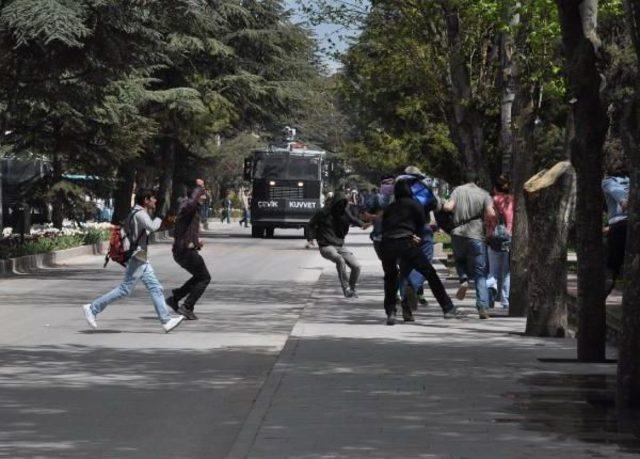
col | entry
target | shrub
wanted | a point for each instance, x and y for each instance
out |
(48, 241)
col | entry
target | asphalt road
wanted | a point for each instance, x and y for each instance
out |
(128, 389)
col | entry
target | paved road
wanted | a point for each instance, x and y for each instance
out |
(128, 389)
(281, 366)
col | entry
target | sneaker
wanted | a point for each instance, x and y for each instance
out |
(422, 300)
(90, 316)
(462, 290)
(187, 313)
(412, 299)
(452, 314)
(391, 319)
(354, 293)
(407, 315)
(493, 294)
(483, 314)
(173, 323)
(172, 303)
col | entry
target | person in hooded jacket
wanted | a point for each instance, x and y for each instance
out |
(329, 227)
(403, 227)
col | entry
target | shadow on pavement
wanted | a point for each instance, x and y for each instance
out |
(77, 401)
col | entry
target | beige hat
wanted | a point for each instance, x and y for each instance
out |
(413, 170)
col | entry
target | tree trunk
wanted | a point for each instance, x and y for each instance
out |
(549, 198)
(179, 189)
(508, 82)
(57, 216)
(466, 123)
(166, 179)
(578, 19)
(122, 194)
(628, 393)
(522, 171)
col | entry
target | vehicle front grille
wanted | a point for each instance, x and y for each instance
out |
(286, 192)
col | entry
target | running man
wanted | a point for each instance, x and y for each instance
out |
(139, 225)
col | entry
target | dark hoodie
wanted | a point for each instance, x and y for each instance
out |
(187, 230)
(404, 217)
(330, 225)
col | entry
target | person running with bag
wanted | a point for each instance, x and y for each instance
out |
(139, 225)
(186, 248)
(403, 226)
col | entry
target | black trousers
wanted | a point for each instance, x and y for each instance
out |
(193, 289)
(616, 244)
(409, 257)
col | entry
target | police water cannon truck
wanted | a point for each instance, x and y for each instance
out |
(287, 185)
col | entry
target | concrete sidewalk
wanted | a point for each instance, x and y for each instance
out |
(348, 386)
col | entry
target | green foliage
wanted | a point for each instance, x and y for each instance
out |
(97, 84)
(12, 247)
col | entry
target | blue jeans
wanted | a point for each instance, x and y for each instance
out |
(471, 261)
(415, 279)
(499, 275)
(136, 271)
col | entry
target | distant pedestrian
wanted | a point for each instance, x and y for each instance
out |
(470, 206)
(403, 225)
(616, 192)
(329, 226)
(377, 204)
(139, 225)
(499, 231)
(246, 212)
(226, 208)
(186, 247)
(205, 210)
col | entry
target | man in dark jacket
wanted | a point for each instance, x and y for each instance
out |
(403, 228)
(329, 226)
(186, 247)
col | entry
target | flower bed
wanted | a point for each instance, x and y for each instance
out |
(46, 240)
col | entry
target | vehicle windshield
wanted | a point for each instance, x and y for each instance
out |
(286, 167)
(303, 168)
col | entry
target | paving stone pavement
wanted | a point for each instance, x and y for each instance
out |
(348, 386)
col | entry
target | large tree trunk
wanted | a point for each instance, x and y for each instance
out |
(522, 171)
(466, 123)
(550, 199)
(578, 19)
(166, 179)
(508, 84)
(628, 394)
(123, 192)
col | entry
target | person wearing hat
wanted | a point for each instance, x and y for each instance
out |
(412, 286)
(330, 226)
(403, 225)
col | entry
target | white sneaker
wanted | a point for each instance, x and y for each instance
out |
(90, 316)
(173, 323)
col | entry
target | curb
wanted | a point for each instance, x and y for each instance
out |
(31, 263)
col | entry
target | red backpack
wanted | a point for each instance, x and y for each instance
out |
(120, 247)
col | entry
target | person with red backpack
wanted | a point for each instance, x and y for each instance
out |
(132, 253)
